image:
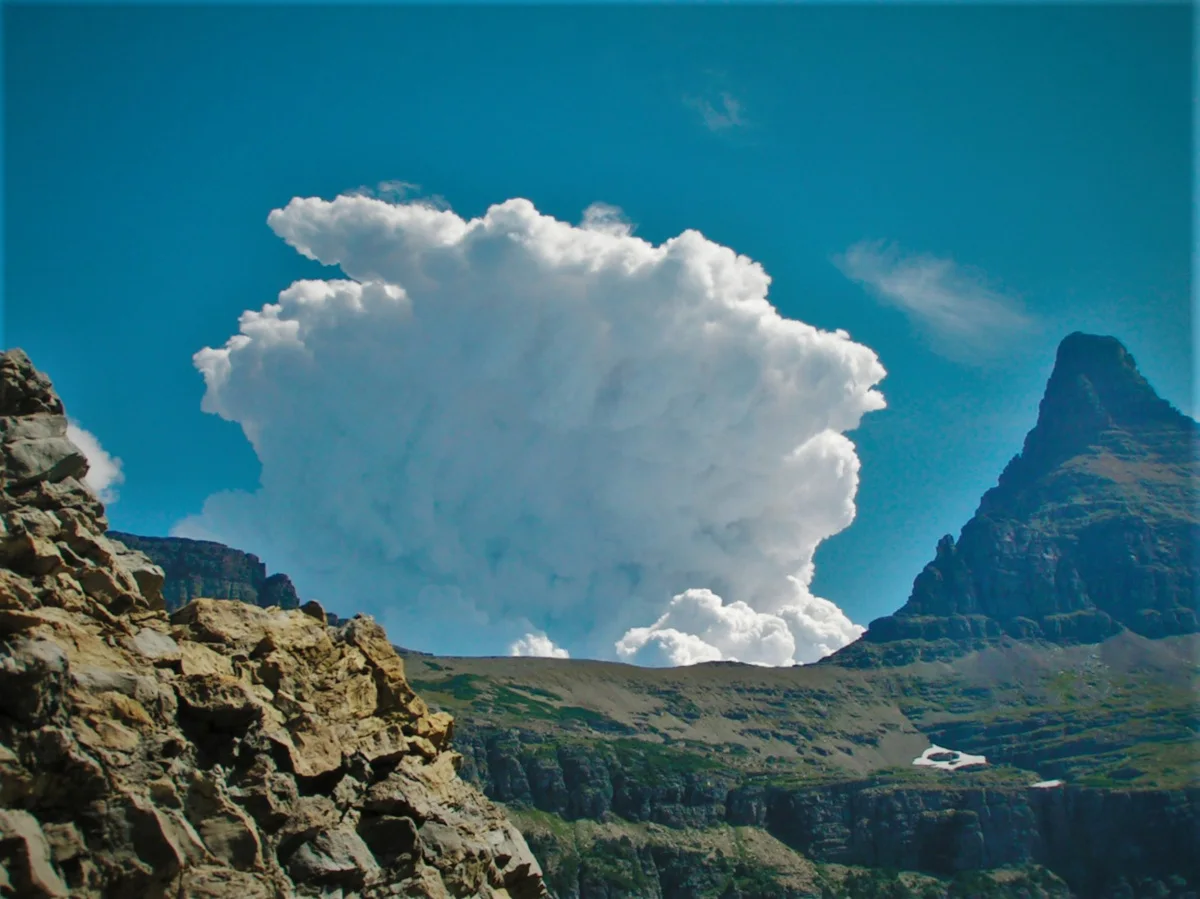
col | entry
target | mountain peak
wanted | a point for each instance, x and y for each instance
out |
(1095, 387)
(1098, 372)
(1091, 529)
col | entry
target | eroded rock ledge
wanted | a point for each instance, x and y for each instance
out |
(223, 751)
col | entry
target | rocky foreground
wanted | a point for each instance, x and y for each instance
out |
(222, 751)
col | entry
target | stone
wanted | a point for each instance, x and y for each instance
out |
(389, 836)
(155, 646)
(48, 459)
(334, 857)
(26, 855)
(227, 831)
(148, 576)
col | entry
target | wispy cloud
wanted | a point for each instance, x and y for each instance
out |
(396, 191)
(720, 113)
(607, 219)
(962, 312)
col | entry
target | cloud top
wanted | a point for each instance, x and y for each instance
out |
(953, 304)
(720, 113)
(511, 425)
(537, 645)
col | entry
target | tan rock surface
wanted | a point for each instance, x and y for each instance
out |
(226, 751)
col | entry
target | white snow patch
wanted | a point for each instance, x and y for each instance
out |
(1046, 784)
(947, 759)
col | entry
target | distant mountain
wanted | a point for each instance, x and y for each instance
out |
(201, 568)
(1092, 529)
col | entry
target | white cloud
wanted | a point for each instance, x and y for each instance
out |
(512, 424)
(720, 113)
(104, 471)
(956, 305)
(699, 627)
(538, 645)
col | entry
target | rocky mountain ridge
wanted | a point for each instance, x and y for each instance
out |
(1092, 529)
(222, 751)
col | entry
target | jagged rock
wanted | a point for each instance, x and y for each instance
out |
(334, 857)
(227, 751)
(25, 855)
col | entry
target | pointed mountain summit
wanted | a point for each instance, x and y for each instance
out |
(1091, 530)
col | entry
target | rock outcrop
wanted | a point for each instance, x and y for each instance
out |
(202, 568)
(1092, 529)
(222, 751)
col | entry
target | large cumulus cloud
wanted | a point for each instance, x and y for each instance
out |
(512, 425)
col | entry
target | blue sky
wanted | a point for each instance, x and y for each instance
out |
(1028, 167)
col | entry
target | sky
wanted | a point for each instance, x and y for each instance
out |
(656, 333)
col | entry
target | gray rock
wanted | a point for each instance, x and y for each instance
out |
(334, 857)
(154, 645)
(33, 427)
(50, 459)
(26, 856)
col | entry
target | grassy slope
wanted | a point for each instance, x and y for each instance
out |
(1122, 712)
(1119, 714)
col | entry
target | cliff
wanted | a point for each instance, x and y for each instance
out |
(1093, 839)
(197, 569)
(222, 751)
(1092, 529)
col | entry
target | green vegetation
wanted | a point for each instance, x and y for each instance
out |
(460, 687)
(872, 883)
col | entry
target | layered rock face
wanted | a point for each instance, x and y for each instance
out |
(223, 751)
(201, 568)
(1092, 529)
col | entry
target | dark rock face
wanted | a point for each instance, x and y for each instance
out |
(1092, 529)
(946, 831)
(1089, 837)
(590, 782)
(201, 568)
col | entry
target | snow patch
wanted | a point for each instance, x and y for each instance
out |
(947, 759)
(1046, 784)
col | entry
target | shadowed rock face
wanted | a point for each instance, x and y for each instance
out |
(197, 569)
(1091, 530)
(224, 751)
